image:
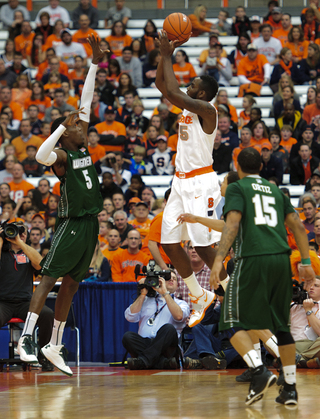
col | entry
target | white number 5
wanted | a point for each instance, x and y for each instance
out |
(265, 213)
(87, 178)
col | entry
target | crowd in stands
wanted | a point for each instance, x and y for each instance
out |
(123, 143)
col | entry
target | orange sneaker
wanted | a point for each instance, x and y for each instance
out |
(200, 305)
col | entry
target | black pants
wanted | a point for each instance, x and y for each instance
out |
(153, 351)
(8, 310)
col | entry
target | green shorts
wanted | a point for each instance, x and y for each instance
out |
(72, 248)
(259, 294)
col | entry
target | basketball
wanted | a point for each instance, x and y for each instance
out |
(178, 27)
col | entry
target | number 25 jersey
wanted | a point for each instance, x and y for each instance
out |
(80, 189)
(195, 147)
(264, 208)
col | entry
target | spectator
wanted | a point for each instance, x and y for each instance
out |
(6, 175)
(30, 165)
(44, 188)
(241, 51)
(303, 166)
(112, 247)
(45, 29)
(255, 24)
(7, 13)
(247, 103)
(56, 12)
(116, 131)
(297, 44)
(288, 97)
(313, 180)
(7, 77)
(149, 68)
(117, 13)
(213, 40)
(125, 85)
(271, 5)
(120, 174)
(221, 155)
(241, 22)
(275, 19)
(17, 67)
(118, 38)
(8, 53)
(131, 65)
(254, 67)
(59, 103)
(135, 190)
(278, 150)
(199, 23)
(310, 26)
(308, 68)
(108, 187)
(21, 90)
(161, 158)
(307, 138)
(311, 112)
(271, 165)
(315, 190)
(156, 346)
(18, 186)
(13, 125)
(85, 8)
(309, 207)
(37, 53)
(68, 50)
(26, 138)
(52, 63)
(37, 101)
(123, 112)
(292, 117)
(96, 150)
(35, 236)
(222, 99)
(118, 201)
(38, 220)
(267, 45)
(121, 223)
(54, 39)
(287, 141)
(229, 138)
(259, 133)
(23, 42)
(285, 66)
(137, 117)
(81, 36)
(105, 87)
(222, 25)
(150, 33)
(137, 164)
(283, 32)
(137, 50)
(15, 28)
(148, 196)
(311, 94)
(246, 141)
(183, 70)
(141, 222)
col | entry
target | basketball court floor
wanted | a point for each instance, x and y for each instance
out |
(104, 392)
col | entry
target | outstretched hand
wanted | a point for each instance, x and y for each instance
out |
(186, 218)
(72, 118)
(96, 50)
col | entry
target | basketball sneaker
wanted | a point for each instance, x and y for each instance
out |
(288, 395)
(57, 355)
(200, 305)
(245, 377)
(27, 349)
(262, 379)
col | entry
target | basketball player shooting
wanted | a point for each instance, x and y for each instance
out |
(195, 188)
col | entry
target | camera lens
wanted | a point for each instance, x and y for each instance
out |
(11, 231)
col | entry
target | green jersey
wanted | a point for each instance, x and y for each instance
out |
(264, 208)
(80, 188)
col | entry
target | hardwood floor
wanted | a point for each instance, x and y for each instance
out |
(103, 392)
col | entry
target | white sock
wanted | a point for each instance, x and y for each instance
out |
(224, 283)
(272, 343)
(290, 374)
(257, 348)
(57, 332)
(193, 285)
(252, 359)
(30, 323)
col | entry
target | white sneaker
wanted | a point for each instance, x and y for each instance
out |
(57, 355)
(27, 349)
(200, 305)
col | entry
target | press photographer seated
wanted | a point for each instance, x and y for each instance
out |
(161, 319)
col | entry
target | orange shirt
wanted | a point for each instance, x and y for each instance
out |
(184, 74)
(288, 144)
(254, 36)
(253, 70)
(117, 43)
(73, 75)
(56, 188)
(21, 146)
(19, 190)
(102, 239)
(123, 265)
(96, 153)
(52, 42)
(245, 118)
(236, 152)
(173, 142)
(258, 143)
(52, 86)
(73, 101)
(42, 105)
(275, 25)
(109, 254)
(309, 112)
(63, 69)
(233, 113)
(16, 110)
(116, 128)
(299, 51)
(20, 96)
(199, 27)
(82, 38)
(23, 44)
(143, 228)
(282, 35)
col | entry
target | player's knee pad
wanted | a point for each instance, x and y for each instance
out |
(284, 338)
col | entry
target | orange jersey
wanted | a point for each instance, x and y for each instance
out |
(258, 143)
(82, 38)
(275, 25)
(21, 146)
(173, 142)
(253, 70)
(309, 112)
(184, 74)
(52, 42)
(123, 265)
(236, 152)
(96, 153)
(73, 75)
(109, 254)
(299, 51)
(233, 113)
(42, 105)
(23, 44)
(116, 128)
(245, 118)
(288, 144)
(16, 110)
(143, 228)
(19, 96)
(56, 189)
(282, 35)
(19, 190)
(117, 43)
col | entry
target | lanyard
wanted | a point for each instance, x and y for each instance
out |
(152, 319)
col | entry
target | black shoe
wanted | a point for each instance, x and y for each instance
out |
(262, 379)
(45, 363)
(288, 397)
(210, 362)
(245, 377)
(192, 364)
(136, 364)
(280, 380)
(170, 364)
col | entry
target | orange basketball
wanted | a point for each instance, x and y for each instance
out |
(178, 27)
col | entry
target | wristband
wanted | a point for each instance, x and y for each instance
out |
(306, 262)
(166, 293)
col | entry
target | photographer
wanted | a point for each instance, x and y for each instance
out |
(114, 164)
(18, 262)
(161, 319)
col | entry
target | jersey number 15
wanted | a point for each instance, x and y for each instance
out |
(264, 211)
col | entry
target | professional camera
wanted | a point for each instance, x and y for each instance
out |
(298, 293)
(112, 160)
(11, 230)
(152, 272)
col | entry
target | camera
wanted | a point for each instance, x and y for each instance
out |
(11, 230)
(112, 160)
(152, 272)
(298, 293)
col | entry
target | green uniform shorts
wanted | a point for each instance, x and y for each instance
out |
(259, 294)
(72, 248)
